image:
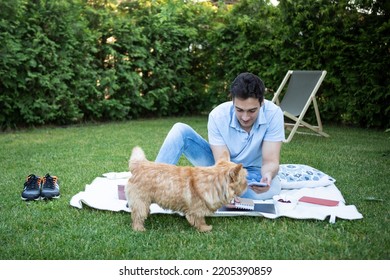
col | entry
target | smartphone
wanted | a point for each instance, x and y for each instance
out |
(257, 184)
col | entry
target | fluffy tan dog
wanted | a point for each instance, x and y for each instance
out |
(194, 191)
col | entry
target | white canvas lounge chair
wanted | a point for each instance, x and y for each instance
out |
(300, 94)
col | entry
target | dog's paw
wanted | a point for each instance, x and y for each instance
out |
(138, 228)
(205, 228)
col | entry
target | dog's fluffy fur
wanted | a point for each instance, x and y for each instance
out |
(194, 191)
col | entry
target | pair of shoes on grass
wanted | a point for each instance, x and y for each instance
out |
(36, 188)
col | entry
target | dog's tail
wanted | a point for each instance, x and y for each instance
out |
(137, 155)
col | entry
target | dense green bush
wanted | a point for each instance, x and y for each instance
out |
(168, 40)
(350, 40)
(244, 41)
(69, 61)
(47, 62)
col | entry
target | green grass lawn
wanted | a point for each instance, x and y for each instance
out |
(359, 159)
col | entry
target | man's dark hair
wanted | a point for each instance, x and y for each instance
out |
(247, 85)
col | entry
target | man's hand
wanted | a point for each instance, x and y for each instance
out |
(259, 190)
(265, 180)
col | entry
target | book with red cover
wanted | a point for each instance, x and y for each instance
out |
(319, 201)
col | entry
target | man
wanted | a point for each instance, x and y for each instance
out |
(249, 128)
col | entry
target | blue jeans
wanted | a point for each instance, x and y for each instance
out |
(184, 140)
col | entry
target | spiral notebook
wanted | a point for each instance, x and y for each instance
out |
(241, 204)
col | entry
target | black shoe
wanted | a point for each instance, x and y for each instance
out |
(32, 188)
(50, 187)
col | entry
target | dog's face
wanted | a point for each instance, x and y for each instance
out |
(239, 182)
(237, 175)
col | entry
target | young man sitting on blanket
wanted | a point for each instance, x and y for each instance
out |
(249, 127)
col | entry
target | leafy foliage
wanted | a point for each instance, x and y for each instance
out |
(351, 43)
(244, 41)
(78, 60)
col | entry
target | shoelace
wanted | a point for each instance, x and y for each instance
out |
(32, 182)
(50, 181)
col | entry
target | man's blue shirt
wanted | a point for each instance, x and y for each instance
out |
(224, 129)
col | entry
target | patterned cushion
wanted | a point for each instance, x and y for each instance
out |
(296, 176)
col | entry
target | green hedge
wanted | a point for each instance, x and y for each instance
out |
(352, 46)
(70, 61)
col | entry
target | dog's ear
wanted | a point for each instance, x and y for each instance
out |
(225, 156)
(235, 171)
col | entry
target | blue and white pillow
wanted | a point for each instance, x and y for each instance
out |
(297, 176)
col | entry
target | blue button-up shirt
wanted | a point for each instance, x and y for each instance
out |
(224, 129)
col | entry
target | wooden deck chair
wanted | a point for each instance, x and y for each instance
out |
(300, 94)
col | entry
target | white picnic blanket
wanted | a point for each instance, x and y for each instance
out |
(103, 194)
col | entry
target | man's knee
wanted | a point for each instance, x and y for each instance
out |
(181, 130)
(180, 127)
